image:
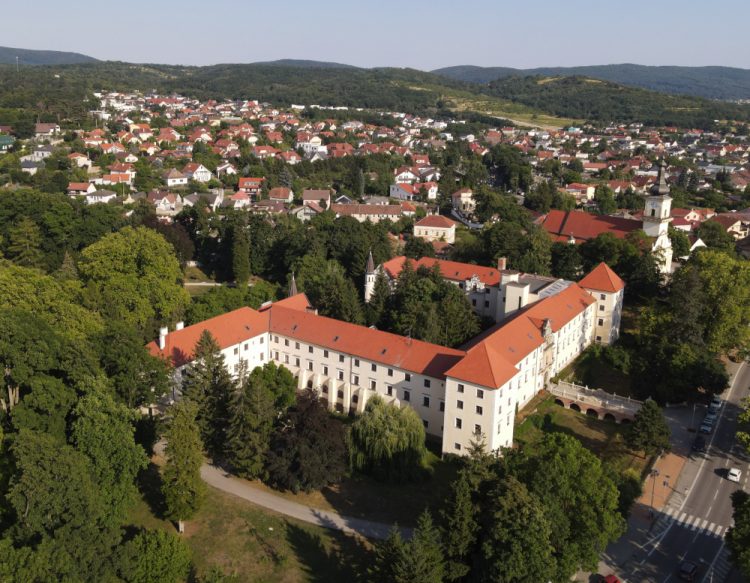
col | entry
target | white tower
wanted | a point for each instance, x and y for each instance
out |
(656, 219)
(370, 276)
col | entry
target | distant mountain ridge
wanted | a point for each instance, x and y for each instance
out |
(33, 57)
(727, 83)
(306, 64)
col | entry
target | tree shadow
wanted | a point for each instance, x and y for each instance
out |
(346, 560)
(149, 484)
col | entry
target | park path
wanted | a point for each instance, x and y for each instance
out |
(219, 479)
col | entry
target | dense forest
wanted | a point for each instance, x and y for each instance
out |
(708, 82)
(602, 101)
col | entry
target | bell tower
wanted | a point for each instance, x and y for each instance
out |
(656, 219)
(370, 276)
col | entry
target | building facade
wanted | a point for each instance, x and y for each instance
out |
(460, 395)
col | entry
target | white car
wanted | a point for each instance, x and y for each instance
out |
(734, 474)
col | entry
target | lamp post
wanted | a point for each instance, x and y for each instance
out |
(654, 474)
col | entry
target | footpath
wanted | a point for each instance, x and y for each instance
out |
(219, 479)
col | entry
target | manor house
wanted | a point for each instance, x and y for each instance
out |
(458, 393)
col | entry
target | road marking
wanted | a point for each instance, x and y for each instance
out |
(732, 386)
(703, 524)
(716, 494)
(682, 517)
(710, 569)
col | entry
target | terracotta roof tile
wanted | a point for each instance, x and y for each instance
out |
(602, 278)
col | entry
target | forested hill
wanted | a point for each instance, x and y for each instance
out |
(596, 100)
(306, 63)
(709, 82)
(32, 57)
(59, 93)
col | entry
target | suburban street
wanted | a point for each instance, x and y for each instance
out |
(693, 523)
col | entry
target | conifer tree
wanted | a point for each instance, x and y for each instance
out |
(460, 526)
(25, 244)
(649, 431)
(378, 305)
(422, 560)
(387, 555)
(207, 383)
(182, 486)
(240, 254)
(251, 417)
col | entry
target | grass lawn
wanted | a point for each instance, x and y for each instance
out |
(604, 438)
(362, 497)
(261, 546)
(195, 275)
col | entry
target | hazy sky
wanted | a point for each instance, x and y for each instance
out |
(407, 33)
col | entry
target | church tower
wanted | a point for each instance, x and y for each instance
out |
(370, 276)
(656, 219)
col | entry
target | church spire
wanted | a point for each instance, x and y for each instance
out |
(661, 188)
(370, 268)
(292, 286)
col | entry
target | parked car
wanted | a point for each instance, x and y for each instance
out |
(715, 404)
(688, 571)
(699, 444)
(710, 417)
(734, 475)
(706, 427)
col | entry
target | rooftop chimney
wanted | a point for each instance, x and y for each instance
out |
(502, 263)
(163, 337)
(179, 326)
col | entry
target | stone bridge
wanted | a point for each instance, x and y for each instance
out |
(594, 402)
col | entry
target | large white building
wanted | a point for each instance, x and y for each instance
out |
(457, 393)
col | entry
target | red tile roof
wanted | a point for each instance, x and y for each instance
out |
(227, 329)
(436, 221)
(366, 343)
(602, 278)
(451, 270)
(583, 226)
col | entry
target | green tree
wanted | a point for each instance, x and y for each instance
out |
(154, 556)
(566, 261)
(604, 198)
(240, 254)
(580, 500)
(421, 559)
(308, 447)
(134, 276)
(738, 536)
(208, 384)
(515, 537)
(680, 242)
(388, 553)
(103, 431)
(460, 528)
(138, 377)
(387, 442)
(715, 236)
(649, 432)
(250, 421)
(182, 486)
(25, 244)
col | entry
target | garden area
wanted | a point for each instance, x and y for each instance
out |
(603, 438)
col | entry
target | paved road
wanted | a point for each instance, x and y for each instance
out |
(693, 524)
(219, 479)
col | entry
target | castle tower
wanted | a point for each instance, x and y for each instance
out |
(370, 276)
(656, 219)
(292, 287)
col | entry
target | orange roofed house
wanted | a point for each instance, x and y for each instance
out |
(457, 393)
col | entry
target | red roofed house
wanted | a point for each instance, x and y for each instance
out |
(250, 186)
(608, 289)
(78, 188)
(436, 228)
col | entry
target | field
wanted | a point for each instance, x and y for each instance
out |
(604, 438)
(262, 546)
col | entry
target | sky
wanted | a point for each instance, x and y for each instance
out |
(421, 34)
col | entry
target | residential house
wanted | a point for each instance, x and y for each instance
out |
(281, 194)
(436, 228)
(321, 197)
(46, 131)
(173, 178)
(250, 186)
(197, 172)
(463, 201)
(79, 188)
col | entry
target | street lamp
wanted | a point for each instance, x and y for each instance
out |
(654, 474)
